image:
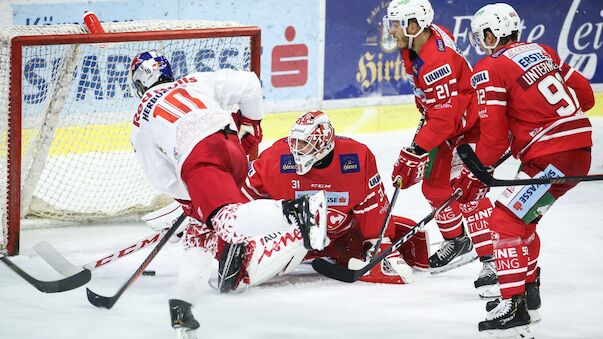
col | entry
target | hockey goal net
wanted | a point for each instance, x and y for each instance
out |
(66, 111)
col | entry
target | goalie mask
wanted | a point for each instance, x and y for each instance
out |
(501, 19)
(403, 10)
(147, 70)
(311, 139)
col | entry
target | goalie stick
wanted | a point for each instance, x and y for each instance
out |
(108, 302)
(481, 172)
(344, 274)
(57, 261)
(66, 284)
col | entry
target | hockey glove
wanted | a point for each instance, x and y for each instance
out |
(472, 188)
(409, 169)
(165, 217)
(250, 131)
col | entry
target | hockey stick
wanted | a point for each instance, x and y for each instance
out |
(55, 286)
(108, 302)
(344, 274)
(395, 196)
(388, 216)
(47, 252)
(477, 168)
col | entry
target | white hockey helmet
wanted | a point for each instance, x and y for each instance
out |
(147, 69)
(312, 137)
(500, 18)
(404, 10)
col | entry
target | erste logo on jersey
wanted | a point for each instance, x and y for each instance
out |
(333, 198)
(529, 59)
(480, 78)
(287, 164)
(437, 74)
(349, 163)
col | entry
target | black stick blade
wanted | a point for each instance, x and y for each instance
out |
(56, 286)
(472, 162)
(100, 301)
(334, 271)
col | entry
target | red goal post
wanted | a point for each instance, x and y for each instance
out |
(62, 109)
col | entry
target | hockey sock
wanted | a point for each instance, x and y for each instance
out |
(450, 221)
(477, 214)
(511, 257)
(534, 251)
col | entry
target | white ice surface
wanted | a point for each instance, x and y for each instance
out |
(305, 305)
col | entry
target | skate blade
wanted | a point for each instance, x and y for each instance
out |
(515, 332)
(455, 263)
(318, 233)
(488, 291)
(534, 316)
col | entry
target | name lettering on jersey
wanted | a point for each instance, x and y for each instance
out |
(437, 74)
(529, 59)
(480, 78)
(287, 164)
(333, 198)
(536, 73)
(374, 181)
(349, 163)
(320, 186)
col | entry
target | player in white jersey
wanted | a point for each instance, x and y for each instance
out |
(188, 146)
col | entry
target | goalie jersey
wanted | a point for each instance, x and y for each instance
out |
(355, 193)
(172, 118)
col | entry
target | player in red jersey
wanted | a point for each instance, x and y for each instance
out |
(533, 102)
(439, 76)
(313, 158)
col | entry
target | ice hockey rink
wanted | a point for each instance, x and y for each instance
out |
(304, 304)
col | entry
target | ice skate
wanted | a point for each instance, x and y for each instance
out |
(183, 319)
(229, 267)
(508, 319)
(452, 254)
(532, 298)
(309, 213)
(487, 281)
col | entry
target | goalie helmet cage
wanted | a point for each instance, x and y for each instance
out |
(66, 113)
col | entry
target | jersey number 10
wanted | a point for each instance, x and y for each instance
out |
(176, 104)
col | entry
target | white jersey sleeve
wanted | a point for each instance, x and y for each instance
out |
(231, 87)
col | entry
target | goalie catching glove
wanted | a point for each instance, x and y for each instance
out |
(250, 131)
(165, 217)
(391, 270)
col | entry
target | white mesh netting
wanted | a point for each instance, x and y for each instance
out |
(77, 162)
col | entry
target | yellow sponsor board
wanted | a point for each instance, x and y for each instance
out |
(347, 121)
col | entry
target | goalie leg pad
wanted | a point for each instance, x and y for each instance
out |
(271, 255)
(416, 250)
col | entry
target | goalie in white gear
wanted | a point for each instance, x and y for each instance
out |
(188, 147)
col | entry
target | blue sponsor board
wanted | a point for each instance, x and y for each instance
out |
(290, 40)
(361, 60)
